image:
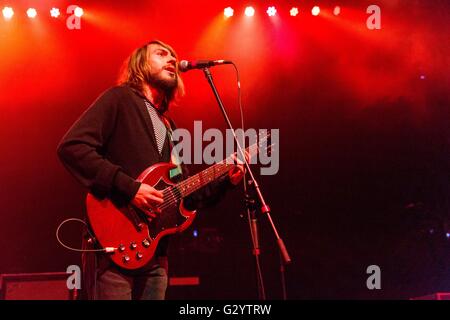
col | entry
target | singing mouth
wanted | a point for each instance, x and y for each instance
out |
(170, 69)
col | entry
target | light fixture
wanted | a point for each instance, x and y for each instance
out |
(78, 12)
(294, 11)
(315, 11)
(271, 11)
(249, 11)
(31, 13)
(54, 12)
(228, 12)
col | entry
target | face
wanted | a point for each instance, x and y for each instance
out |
(162, 65)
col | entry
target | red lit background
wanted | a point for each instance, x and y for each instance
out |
(364, 148)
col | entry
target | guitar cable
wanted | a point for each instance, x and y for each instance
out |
(106, 249)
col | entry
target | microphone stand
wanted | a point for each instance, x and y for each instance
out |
(265, 209)
(253, 226)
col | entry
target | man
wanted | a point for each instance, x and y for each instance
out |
(121, 134)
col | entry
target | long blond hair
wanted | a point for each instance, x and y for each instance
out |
(135, 70)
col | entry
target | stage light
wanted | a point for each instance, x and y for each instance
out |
(55, 12)
(8, 12)
(337, 10)
(31, 13)
(271, 11)
(315, 11)
(78, 12)
(249, 11)
(294, 11)
(228, 12)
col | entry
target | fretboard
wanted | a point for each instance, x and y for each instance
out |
(213, 172)
(203, 178)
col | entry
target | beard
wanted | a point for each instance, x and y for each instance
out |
(166, 84)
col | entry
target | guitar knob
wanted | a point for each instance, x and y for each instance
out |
(141, 226)
(139, 255)
(133, 245)
(126, 259)
(145, 243)
(121, 248)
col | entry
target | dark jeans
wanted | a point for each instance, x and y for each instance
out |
(115, 285)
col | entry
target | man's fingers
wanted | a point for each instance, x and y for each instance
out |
(151, 214)
(148, 189)
(154, 199)
(237, 169)
(238, 160)
(150, 209)
(157, 193)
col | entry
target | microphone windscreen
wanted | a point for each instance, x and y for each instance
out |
(184, 65)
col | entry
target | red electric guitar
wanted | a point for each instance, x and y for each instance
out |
(127, 233)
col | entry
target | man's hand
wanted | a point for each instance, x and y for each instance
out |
(147, 198)
(237, 173)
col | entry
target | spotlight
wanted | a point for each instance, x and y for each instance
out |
(55, 12)
(337, 10)
(271, 11)
(315, 11)
(78, 12)
(8, 12)
(294, 11)
(249, 11)
(31, 13)
(228, 12)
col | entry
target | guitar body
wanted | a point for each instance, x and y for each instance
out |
(129, 231)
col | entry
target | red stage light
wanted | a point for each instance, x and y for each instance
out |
(294, 11)
(228, 12)
(337, 10)
(31, 13)
(249, 11)
(315, 11)
(8, 12)
(55, 12)
(271, 11)
(78, 12)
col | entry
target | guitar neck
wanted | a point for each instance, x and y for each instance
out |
(204, 177)
(213, 172)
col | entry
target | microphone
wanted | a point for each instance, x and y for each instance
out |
(185, 65)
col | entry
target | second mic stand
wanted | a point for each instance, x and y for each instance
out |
(264, 207)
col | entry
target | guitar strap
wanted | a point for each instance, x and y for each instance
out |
(174, 159)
